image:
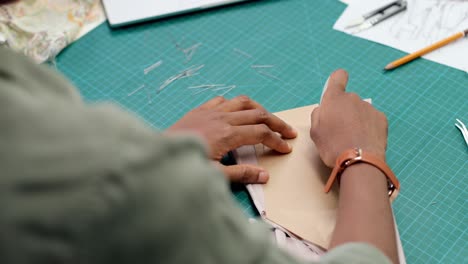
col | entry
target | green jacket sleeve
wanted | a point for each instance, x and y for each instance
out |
(92, 184)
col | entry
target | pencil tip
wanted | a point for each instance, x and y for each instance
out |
(389, 67)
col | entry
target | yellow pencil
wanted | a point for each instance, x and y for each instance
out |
(419, 53)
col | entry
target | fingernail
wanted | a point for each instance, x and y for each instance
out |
(324, 89)
(263, 176)
(289, 147)
(292, 129)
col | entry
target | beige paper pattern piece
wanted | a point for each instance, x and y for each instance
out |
(294, 196)
(293, 199)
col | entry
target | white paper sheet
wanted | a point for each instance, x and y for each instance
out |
(423, 23)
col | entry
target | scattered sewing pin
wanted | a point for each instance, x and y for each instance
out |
(243, 53)
(268, 75)
(152, 67)
(260, 69)
(136, 90)
(212, 87)
(201, 91)
(230, 88)
(206, 86)
(189, 72)
(190, 51)
(262, 66)
(224, 88)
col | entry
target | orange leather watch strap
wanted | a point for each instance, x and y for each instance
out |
(352, 156)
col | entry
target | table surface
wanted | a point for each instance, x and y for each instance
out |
(421, 100)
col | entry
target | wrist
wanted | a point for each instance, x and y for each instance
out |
(356, 156)
(366, 175)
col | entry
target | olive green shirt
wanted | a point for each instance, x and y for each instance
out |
(83, 183)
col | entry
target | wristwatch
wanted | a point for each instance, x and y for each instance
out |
(357, 155)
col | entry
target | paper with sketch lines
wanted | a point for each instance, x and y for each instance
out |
(423, 23)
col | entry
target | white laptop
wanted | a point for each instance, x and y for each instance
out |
(124, 12)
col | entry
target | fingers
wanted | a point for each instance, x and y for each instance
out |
(244, 111)
(261, 116)
(239, 103)
(245, 174)
(212, 103)
(336, 84)
(256, 134)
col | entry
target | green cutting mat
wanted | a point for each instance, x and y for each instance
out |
(421, 99)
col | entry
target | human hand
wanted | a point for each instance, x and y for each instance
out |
(344, 121)
(228, 124)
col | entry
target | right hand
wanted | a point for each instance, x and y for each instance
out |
(228, 124)
(343, 121)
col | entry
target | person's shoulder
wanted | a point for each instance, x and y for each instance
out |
(31, 79)
(354, 253)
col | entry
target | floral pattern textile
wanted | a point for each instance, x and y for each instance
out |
(42, 28)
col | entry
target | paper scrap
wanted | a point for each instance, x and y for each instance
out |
(422, 24)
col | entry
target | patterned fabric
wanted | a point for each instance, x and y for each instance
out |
(40, 29)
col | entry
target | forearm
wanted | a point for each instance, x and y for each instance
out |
(364, 213)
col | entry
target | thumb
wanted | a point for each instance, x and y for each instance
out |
(314, 120)
(336, 84)
(245, 174)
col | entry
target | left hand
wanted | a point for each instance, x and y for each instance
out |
(228, 124)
